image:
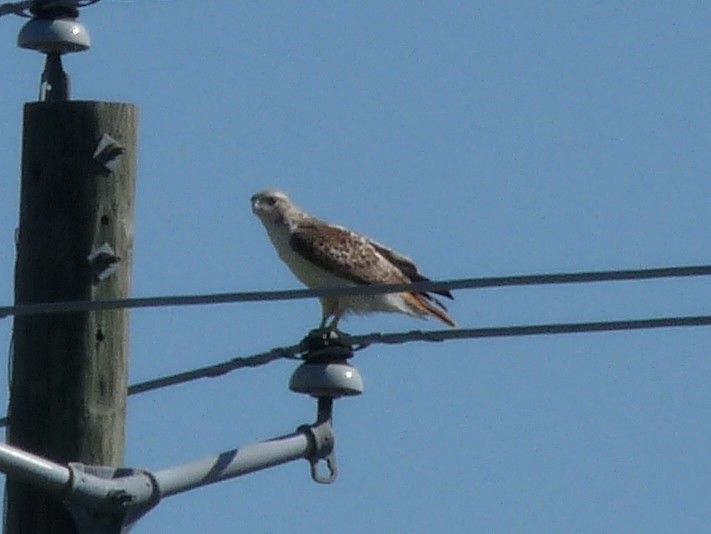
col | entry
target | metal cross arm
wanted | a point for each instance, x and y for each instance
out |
(105, 500)
(100, 499)
(234, 463)
(108, 500)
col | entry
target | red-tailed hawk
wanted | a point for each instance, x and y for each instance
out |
(323, 255)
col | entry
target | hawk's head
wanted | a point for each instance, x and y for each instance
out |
(272, 206)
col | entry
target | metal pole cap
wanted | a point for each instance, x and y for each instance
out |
(319, 379)
(54, 36)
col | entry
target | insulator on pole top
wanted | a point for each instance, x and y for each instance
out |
(326, 371)
(54, 30)
(326, 375)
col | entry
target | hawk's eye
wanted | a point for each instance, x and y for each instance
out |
(270, 201)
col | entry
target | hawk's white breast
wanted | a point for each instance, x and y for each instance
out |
(310, 274)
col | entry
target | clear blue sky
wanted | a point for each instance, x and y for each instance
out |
(480, 140)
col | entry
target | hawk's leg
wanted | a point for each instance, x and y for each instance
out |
(329, 308)
(333, 326)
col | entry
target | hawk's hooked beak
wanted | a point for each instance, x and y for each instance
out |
(256, 204)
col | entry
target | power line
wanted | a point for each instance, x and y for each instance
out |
(530, 330)
(212, 371)
(20, 8)
(362, 341)
(376, 338)
(17, 8)
(295, 294)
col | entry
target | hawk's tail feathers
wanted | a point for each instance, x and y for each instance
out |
(421, 305)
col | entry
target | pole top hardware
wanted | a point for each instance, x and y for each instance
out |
(325, 371)
(54, 36)
(326, 375)
(54, 28)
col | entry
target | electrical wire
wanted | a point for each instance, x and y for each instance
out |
(263, 296)
(212, 371)
(362, 341)
(376, 338)
(20, 8)
(530, 330)
(17, 8)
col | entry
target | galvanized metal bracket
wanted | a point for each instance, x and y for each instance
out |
(108, 500)
(108, 153)
(323, 443)
(103, 262)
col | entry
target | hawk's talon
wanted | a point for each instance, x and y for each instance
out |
(326, 344)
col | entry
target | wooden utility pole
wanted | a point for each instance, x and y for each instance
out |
(69, 370)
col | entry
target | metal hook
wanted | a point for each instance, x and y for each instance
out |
(323, 443)
(324, 477)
